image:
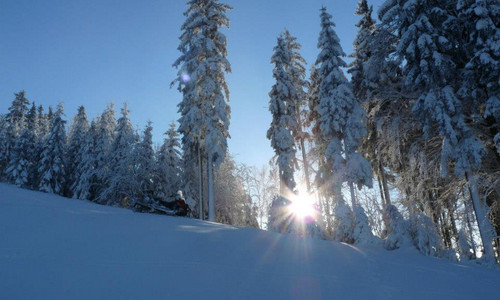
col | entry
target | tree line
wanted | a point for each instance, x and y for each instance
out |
(104, 160)
(419, 117)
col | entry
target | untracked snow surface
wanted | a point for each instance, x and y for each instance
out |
(57, 248)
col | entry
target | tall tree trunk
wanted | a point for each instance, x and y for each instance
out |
(211, 204)
(200, 184)
(486, 230)
(306, 164)
(387, 196)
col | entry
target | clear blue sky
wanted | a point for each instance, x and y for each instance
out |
(92, 52)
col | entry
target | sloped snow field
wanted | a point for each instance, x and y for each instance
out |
(58, 248)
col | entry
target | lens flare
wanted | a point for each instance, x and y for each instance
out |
(302, 207)
(185, 77)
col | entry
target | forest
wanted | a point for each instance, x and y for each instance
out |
(398, 147)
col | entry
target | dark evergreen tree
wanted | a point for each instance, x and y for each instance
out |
(76, 143)
(51, 167)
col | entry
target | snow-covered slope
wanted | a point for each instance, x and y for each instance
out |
(57, 248)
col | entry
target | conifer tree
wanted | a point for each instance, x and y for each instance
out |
(430, 54)
(204, 112)
(52, 168)
(84, 185)
(104, 137)
(168, 165)
(340, 121)
(119, 172)
(76, 142)
(282, 108)
(144, 165)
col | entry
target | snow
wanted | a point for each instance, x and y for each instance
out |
(58, 248)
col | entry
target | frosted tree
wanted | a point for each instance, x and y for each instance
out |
(76, 144)
(104, 137)
(362, 50)
(83, 186)
(144, 165)
(18, 171)
(480, 85)
(51, 167)
(168, 165)
(15, 124)
(430, 68)
(118, 189)
(282, 109)
(340, 114)
(22, 164)
(204, 111)
(297, 72)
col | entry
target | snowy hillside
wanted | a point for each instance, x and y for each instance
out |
(57, 248)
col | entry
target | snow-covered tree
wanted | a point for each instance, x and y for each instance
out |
(298, 105)
(430, 54)
(204, 111)
(282, 109)
(76, 144)
(119, 173)
(362, 50)
(340, 114)
(168, 165)
(105, 135)
(51, 166)
(15, 122)
(234, 205)
(144, 165)
(84, 184)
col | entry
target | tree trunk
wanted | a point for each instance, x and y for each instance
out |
(211, 204)
(306, 165)
(486, 230)
(384, 183)
(353, 197)
(200, 185)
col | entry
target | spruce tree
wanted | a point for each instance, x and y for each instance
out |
(297, 72)
(340, 119)
(168, 166)
(118, 174)
(204, 111)
(282, 108)
(144, 165)
(84, 185)
(52, 164)
(76, 143)
(104, 137)
(428, 46)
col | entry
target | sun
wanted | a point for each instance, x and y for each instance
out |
(302, 206)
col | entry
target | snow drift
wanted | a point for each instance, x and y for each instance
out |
(57, 248)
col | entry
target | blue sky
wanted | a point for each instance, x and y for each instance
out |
(92, 52)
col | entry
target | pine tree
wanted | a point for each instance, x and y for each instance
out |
(52, 168)
(341, 117)
(427, 45)
(76, 143)
(144, 165)
(297, 71)
(105, 135)
(15, 124)
(168, 166)
(119, 172)
(204, 112)
(362, 51)
(84, 184)
(282, 108)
